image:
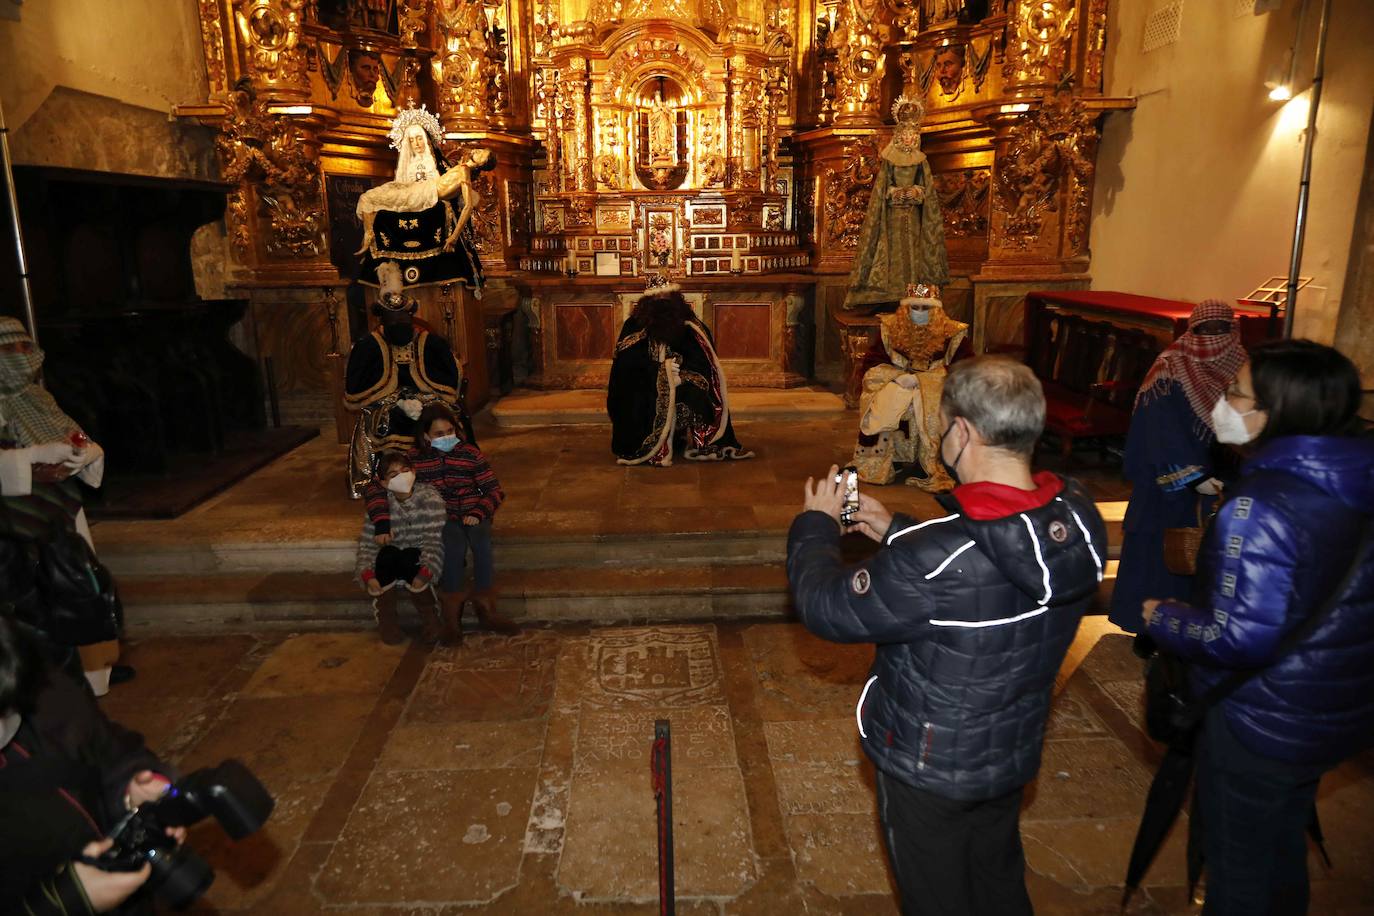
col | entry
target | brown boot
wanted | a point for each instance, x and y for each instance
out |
(428, 608)
(384, 609)
(487, 616)
(451, 612)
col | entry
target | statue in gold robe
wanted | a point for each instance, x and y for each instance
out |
(899, 407)
(903, 236)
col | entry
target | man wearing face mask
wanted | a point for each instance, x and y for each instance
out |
(391, 375)
(972, 613)
(1169, 456)
(899, 423)
(412, 558)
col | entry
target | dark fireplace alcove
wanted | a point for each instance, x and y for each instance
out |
(146, 366)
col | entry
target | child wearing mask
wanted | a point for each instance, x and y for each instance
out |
(472, 494)
(410, 556)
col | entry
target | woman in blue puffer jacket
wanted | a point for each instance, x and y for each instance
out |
(1283, 541)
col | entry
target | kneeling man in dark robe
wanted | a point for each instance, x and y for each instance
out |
(667, 385)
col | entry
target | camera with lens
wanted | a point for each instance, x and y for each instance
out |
(228, 792)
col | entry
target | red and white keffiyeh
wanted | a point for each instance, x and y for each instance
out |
(1202, 365)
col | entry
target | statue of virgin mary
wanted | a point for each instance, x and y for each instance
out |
(411, 220)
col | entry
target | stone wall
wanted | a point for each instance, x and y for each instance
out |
(1197, 187)
(90, 85)
(1353, 336)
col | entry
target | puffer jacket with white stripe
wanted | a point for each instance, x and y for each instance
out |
(972, 620)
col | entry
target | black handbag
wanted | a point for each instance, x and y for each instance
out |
(78, 603)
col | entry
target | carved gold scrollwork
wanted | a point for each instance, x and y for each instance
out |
(859, 40)
(265, 153)
(410, 20)
(1053, 145)
(1040, 34)
(213, 41)
(964, 201)
(271, 34)
(847, 191)
(461, 66)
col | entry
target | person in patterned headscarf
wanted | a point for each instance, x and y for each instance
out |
(1168, 455)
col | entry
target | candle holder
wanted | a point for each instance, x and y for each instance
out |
(570, 272)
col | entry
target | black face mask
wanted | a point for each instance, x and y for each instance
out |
(398, 333)
(950, 466)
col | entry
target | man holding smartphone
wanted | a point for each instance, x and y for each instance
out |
(972, 613)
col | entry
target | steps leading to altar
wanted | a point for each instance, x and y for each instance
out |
(581, 406)
(633, 577)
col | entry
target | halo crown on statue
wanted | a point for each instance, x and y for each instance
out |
(657, 284)
(908, 111)
(413, 115)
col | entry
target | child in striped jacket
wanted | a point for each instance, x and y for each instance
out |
(411, 554)
(472, 494)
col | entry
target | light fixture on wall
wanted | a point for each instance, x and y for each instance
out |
(1280, 82)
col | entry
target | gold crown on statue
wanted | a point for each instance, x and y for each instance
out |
(657, 284)
(908, 110)
(413, 115)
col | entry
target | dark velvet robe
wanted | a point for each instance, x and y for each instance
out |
(649, 414)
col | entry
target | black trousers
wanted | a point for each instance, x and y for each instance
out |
(954, 858)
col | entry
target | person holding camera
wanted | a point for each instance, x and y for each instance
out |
(67, 775)
(972, 613)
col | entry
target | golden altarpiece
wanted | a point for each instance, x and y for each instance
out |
(730, 143)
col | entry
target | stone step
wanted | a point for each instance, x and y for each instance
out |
(513, 553)
(562, 595)
(587, 406)
(282, 599)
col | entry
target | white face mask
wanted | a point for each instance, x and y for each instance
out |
(920, 316)
(1230, 423)
(402, 483)
(9, 727)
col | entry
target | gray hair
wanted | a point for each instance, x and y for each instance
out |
(1000, 398)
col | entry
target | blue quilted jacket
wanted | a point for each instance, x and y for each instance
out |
(972, 620)
(1285, 536)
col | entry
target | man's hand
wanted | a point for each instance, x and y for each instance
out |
(825, 495)
(871, 519)
(146, 786)
(381, 540)
(1147, 609)
(107, 889)
(471, 521)
(419, 584)
(907, 381)
(374, 588)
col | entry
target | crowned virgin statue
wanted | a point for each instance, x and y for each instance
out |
(411, 220)
(903, 238)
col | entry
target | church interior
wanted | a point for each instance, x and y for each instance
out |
(1064, 180)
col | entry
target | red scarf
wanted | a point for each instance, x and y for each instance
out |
(1202, 365)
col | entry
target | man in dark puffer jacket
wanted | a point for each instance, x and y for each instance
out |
(973, 613)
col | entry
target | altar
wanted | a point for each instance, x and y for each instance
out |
(730, 144)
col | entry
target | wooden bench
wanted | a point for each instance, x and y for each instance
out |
(1091, 351)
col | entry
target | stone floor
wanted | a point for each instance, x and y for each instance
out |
(510, 776)
(558, 481)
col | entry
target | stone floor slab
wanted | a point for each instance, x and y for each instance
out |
(611, 848)
(488, 679)
(508, 744)
(819, 788)
(802, 677)
(1088, 778)
(841, 854)
(284, 738)
(834, 741)
(431, 837)
(617, 738)
(325, 664)
(664, 667)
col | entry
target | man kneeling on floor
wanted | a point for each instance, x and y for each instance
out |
(972, 614)
(411, 559)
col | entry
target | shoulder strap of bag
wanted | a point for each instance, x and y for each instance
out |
(1225, 687)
